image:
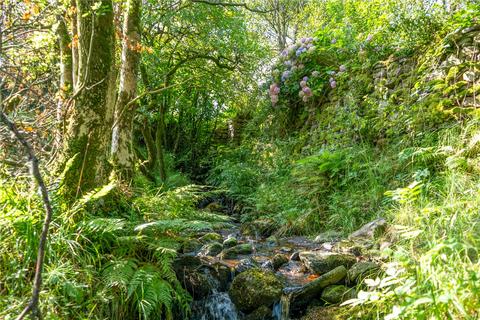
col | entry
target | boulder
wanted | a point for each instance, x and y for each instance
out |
(255, 288)
(371, 230)
(246, 264)
(361, 270)
(211, 249)
(230, 242)
(191, 245)
(337, 294)
(211, 237)
(279, 260)
(328, 236)
(301, 297)
(320, 262)
(233, 252)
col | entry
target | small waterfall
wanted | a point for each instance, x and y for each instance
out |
(216, 306)
(281, 309)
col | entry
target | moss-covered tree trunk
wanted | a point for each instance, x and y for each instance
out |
(122, 149)
(89, 131)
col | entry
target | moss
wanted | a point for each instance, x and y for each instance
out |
(255, 288)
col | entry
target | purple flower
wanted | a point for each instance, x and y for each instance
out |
(307, 91)
(331, 79)
(276, 90)
(303, 40)
(369, 38)
(342, 68)
(288, 63)
(285, 75)
(305, 79)
(310, 39)
(334, 41)
(333, 84)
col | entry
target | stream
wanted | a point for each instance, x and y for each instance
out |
(296, 274)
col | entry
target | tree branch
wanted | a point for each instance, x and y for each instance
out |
(37, 283)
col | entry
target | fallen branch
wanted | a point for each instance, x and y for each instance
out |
(32, 306)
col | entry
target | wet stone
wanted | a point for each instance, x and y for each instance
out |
(337, 294)
(211, 249)
(322, 262)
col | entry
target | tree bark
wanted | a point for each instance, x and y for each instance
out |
(89, 132)
(66, 74)
(122, 149)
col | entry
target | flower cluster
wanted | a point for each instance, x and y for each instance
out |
(305, 92)
(274, 92)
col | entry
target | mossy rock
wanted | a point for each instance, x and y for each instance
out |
(322, 262)
(230, 242)
(337, 294)
(191, 245)
(211, 249)
(361, 270)
(303, 296)
(255, 288)
(233, 252)
(328, 236)
(211, 237)
(279, 260)
(246, 264)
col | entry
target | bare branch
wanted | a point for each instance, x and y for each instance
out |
(32, 306)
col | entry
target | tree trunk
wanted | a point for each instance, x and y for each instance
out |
(122, 149)
(159, 145)
(89, 131)
(66, 74)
